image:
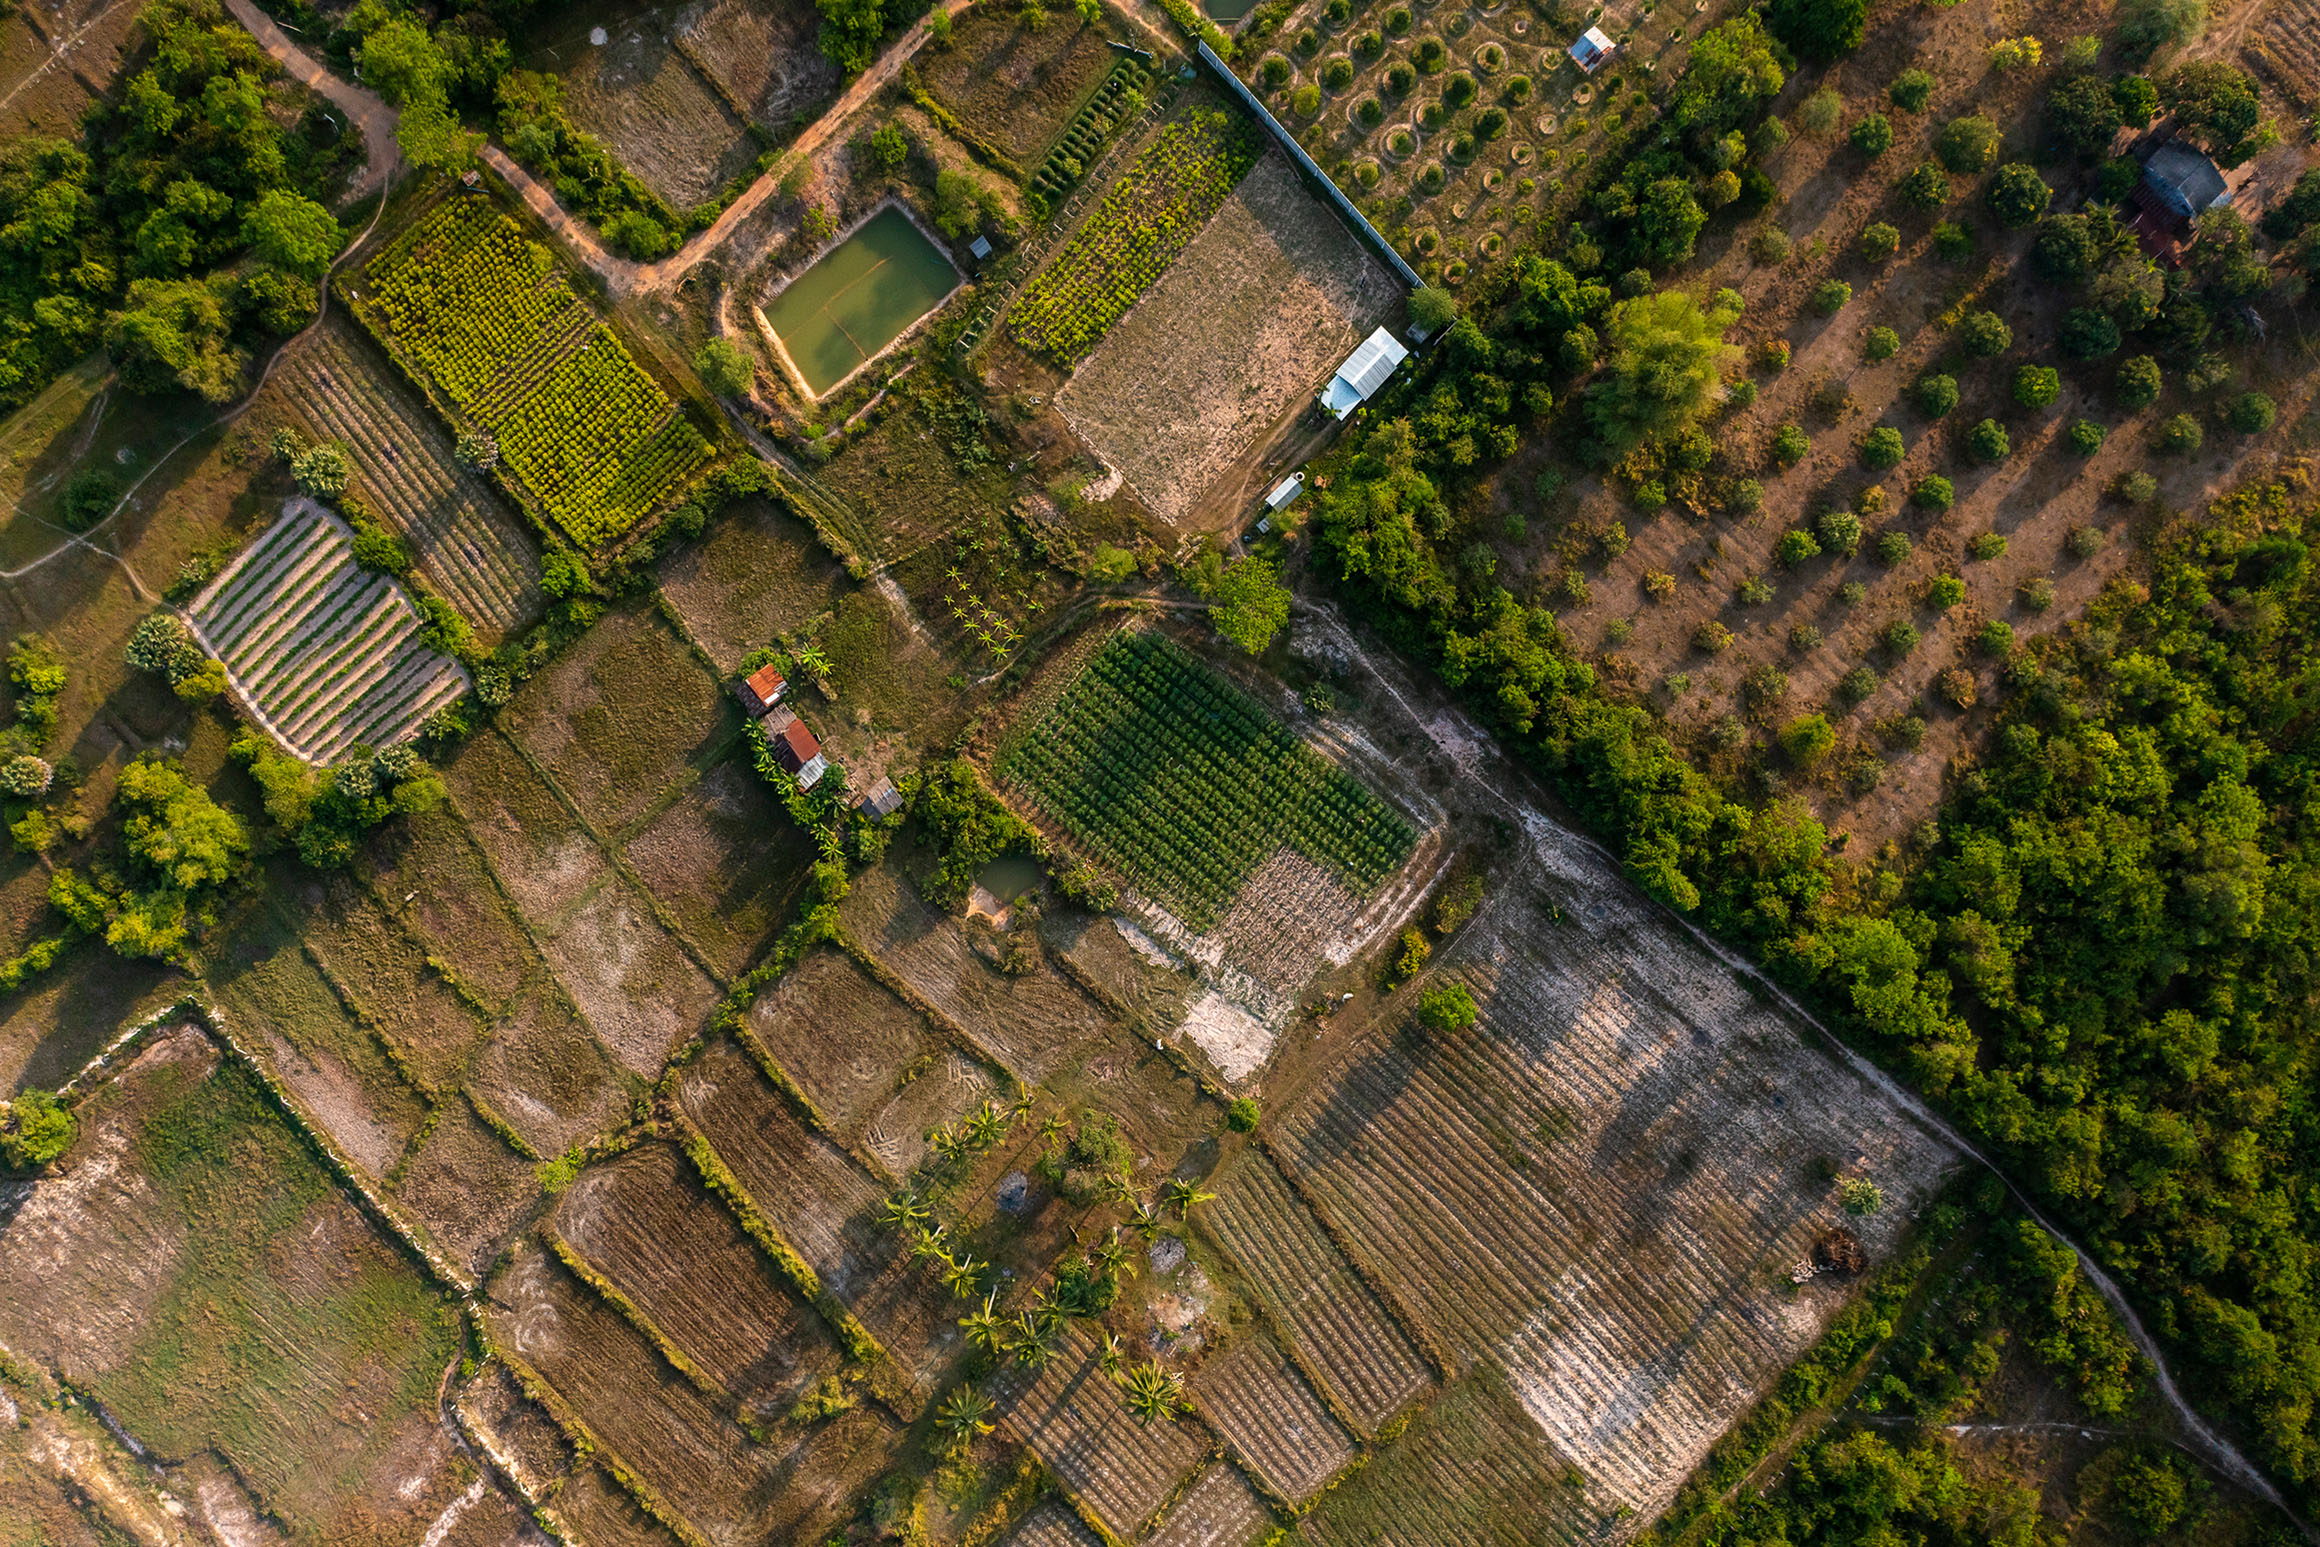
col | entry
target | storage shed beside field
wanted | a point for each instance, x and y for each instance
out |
(1364, 371)
(1592, 49)
(760, 691)
(795, 748)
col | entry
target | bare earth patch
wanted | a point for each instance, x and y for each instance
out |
(1250, 321)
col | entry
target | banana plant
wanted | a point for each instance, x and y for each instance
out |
(1109, 1358)
(961, 1274)
(900, 1211)
(1153, 1392)
(986, 1329)
(964, 1415)
(1181, 1195)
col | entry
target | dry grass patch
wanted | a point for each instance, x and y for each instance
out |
(841, 1035)
(402, 998)
(537, 848)
(646, 1225)
(620, 715)
(643, 98)
(467, 1187)
(758, 573)
(727, 861)
(1014, 87)
(763, 53)
(637, 987)
(547, 1077)
(428, 873)
(1243, 327)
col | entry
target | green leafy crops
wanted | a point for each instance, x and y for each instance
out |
(1184, 785)
(1151, 214)
(467, 302)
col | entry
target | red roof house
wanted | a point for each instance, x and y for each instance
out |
(794, 748)
(760, 691)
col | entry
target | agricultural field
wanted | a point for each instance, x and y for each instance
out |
(327, 654)
(760, 57)
(1013, 88)
(1184, 785)
(645, 94)
(1070, 1417)
(1232, 340)
(478, 312)
(198, 1272)
(1459, 133)
(760, 573)
(1148, 217)
(469, 548)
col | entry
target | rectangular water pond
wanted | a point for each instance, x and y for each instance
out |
(1227, 11)
(858, 298)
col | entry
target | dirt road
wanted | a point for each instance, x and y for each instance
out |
(362, 107)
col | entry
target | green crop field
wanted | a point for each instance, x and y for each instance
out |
(1150, 215)
(481, 313)
(1172, 776)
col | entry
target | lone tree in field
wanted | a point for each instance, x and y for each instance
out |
(1446, 1008)
(1667, 357)
(35, 1128)
(724, 368)
(1249, 604)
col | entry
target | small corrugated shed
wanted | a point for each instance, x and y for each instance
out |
(1592, 49)
(1286, 490)
(760, 690)
(1364, 371)
(2183, 180)
(882, 800)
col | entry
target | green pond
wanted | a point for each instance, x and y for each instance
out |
(858, 297)
(1228, 11)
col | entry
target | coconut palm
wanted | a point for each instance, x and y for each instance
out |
(1146, 1221)
(900, 1211)
(1181, 1195)
(963, 1415)
(986, 1329)
(987, 1126)
(1035, 1336)
(1021, 1107)
(1153, 1392)
(961, 1275)
(1111, 1258)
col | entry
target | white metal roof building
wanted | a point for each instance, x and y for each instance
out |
(1592, 49)
(1364, 371)
(1286, 490)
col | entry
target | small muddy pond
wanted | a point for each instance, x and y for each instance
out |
(1227, 11)
(1009, 877)
(858, 298)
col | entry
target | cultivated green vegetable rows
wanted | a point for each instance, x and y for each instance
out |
(1173, 777)
(481, 312)
(1150, 215)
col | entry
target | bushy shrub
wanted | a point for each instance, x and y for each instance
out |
(1446, 1008)
(1985, 546)
(1747, 496)
(1305, 102)
(2086, 437)
(2251, 413)
(1830, 295)
(1952, 242)
(1853, 592)
(1754, 592)
(1711, 638)
(1879, 241)
(2137, 383)
(1804, 637)
(2018, 195)
(1936, 395)
(1243, 1115)
(1911, 91)
(1880, 344)
(1983, 334)
(89, 498)
(2085, 542)
(1770, 244)
(1925, 187)
(2037, 593)
(1790, 445)
(1957, 686)
(1808, 740)
(1934, 492)
(322, 470)
(1873, 135)
(1839, 531)
(1819, 114)
(1883, 447)
(2088, 334)
(2136, 488)
(1858, 684)
(1797, 547)
(1892, 548)
(1943, 592)
(1337, 73)
(1899, 636)
(2037, 386)
(1967, 145)
(2179, 436)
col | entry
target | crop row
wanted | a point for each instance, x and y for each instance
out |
(1265, 1411)
(1148, 217)
(484, 314)
(327, 651)
(1186, 787)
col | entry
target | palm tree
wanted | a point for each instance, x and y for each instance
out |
(960, 1276)
(1111, 1257)
(810, 660)
(985, 1328)
(1119, 1189)
(950, 1145)
(929, 1246)
(1145, 1221)
(987, 1125)
(1182, 1195)
(1021, 1107)
(900, 1211)
(964, 1414)
(1034, 1341)
(1109, 1359)
(1153, 1392)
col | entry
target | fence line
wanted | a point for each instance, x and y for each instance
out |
(1288, 142)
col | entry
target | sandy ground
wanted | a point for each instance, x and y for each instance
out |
(1240, 331)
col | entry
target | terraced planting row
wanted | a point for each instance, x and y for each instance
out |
(1268, 1415)
(470, 551)
(1149, 216)
(1074, 1419)
(1220, 1509)
(326, 652)
(1470, 1472)
(1305, 1282)
(823, 1203)
(480, 311)
(1601, 1181)
(644, 1223)
(1185, 785)
(685, 1456)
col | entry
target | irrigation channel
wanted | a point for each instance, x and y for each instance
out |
(1543, 830)
(859, 297)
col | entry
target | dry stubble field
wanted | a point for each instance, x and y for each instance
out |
(1242, 328)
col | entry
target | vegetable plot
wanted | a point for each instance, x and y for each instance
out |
(1150, 215)
(475, 308)
(327, 652)
(1183, 784)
